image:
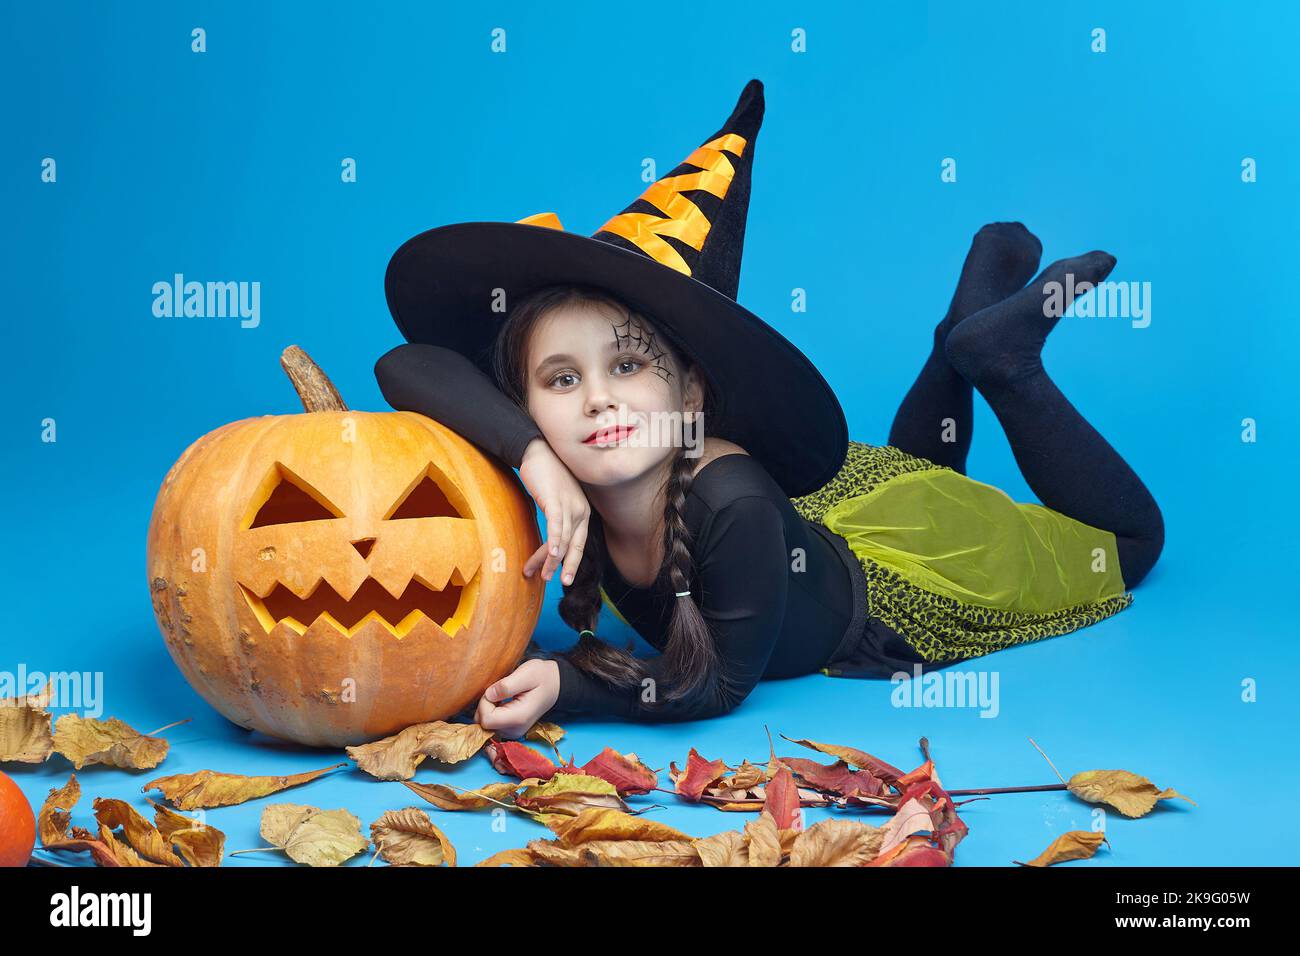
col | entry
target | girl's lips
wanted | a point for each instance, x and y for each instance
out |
(617, 433)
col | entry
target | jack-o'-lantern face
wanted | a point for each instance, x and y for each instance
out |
(335, 576)
(287, 504)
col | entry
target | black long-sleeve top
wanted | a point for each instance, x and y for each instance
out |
(781, 594)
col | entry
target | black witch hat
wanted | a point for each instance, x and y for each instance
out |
(673, 255)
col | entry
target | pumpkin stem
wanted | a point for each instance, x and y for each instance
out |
(313, 386)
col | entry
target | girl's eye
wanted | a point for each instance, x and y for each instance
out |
(557, 378)
(627, 361)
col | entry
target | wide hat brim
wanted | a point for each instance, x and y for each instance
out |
(772, 401)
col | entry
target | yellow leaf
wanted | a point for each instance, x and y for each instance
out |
(25, 735)
(546, 733)
(837, 843)
(1074, 845)
(408, 837)
(568, 793)
(608, 824)
(396, 757)
(311, 835)
(1130, 794)
(208, 788)
(85, 740)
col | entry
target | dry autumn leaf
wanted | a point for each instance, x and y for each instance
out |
(54, 820)
(25, 735)
(408, 837)
(837, 843)
(312, 836)
(546, 733)
(140, 835)
(396, 757)
(208, 788)
(609, 824)
(446, 798)
(1073, 845)
(198, 843)
(87, 740)
(1129, 793)
(569, 794)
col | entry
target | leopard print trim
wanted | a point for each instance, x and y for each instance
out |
(940, 628)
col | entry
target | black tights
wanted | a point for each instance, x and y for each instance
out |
(991, 339)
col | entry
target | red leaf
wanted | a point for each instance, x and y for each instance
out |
(836, 777)
(513, 759)
(628, 774)
(782, 801)
(699, 774)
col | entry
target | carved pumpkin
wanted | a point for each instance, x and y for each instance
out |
(334, 576)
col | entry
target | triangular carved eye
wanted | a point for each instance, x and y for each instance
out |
(289, 502)
(425, 500)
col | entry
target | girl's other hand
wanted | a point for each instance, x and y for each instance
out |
(528, 693)
(565, 506)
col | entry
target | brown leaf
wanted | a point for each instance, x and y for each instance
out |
(396, 757)
(676, 853)
(512, 857)
(445, 798)
(408, 837)
(208, 788)
(837, 843)
(608, 824)
(110, 851)
(762, 841)
(85, 740)
(311, 835)
(25, 728)
(52, 824)
(728, 848)
(1130, 794)
(141, 835)
(1072, 845)
(200, 844)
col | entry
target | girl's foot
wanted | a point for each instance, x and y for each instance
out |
(1004, 342)
(1003, 257)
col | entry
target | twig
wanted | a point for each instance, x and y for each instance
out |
(1049, 761)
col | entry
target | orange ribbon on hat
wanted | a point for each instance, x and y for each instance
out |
(685, 220)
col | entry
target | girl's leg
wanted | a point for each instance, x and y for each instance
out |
(1066, 462)
(935, 419)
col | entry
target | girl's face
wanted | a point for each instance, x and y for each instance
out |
(592, 372)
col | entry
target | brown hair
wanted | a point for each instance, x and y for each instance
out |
(690, 653)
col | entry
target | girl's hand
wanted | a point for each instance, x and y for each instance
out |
(567, 511)
(534, 686)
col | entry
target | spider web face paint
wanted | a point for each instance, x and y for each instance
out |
(637, 337)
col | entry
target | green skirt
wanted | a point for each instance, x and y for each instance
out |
(955, 566)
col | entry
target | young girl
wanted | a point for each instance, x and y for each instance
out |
(774, 547)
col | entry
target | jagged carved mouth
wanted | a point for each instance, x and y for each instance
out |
(371, 601)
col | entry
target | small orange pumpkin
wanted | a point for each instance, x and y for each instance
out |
(334, 576)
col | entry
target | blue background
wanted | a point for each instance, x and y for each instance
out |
(225, 166)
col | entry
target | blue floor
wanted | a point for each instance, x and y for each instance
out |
(226, 166)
